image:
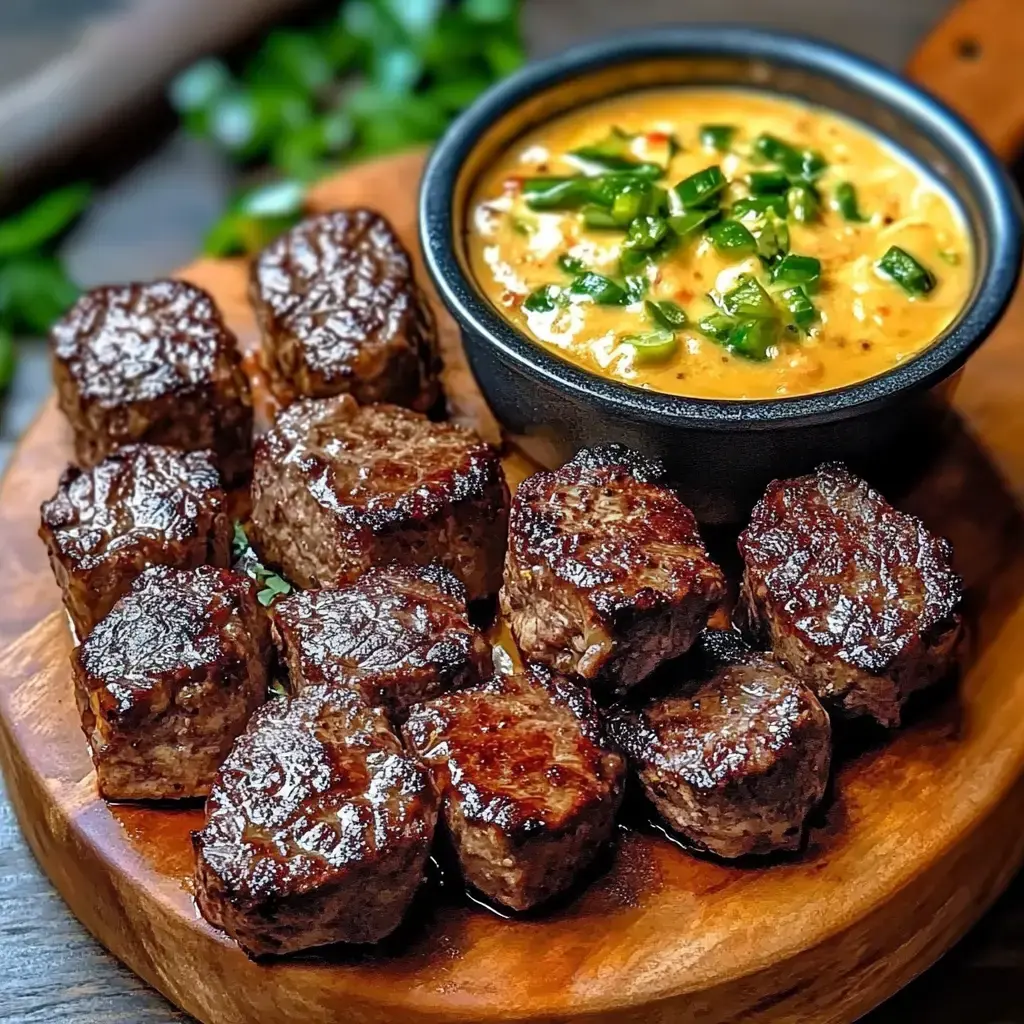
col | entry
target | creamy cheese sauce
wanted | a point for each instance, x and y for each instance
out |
(864, 322)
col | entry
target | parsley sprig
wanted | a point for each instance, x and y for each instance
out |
(272, 585)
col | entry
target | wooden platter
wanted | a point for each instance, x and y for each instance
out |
(920, 837)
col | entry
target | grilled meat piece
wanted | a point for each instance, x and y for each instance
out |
(340, 313)
(399, 635)
(169, 678)
(606, 575)
(529, 790)
(317, 827)
(858, 599)
(142, 505)
(340, 487)
(152, 362)
(736, 765)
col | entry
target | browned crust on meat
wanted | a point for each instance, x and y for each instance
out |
(606, 575)
(735, 765)
(168, 679)
(340, 313)
(142, 505)
(858, 599)
(317, 827)
(399, 635)
(152, 362)
(339, 488)
(530, 793)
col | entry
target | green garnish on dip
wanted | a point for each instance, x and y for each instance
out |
(720, 244)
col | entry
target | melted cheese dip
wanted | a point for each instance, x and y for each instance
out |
(865, 323)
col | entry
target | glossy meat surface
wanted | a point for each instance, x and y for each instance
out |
(152, 362)
(142, 505)
(317, 828)
(606, 574)
(399, 635)
(340, 312)
(169, 678)
(530, 790)
(340, 487)
(859, 599)
(734, 765)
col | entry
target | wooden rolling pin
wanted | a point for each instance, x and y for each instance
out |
(121, 64)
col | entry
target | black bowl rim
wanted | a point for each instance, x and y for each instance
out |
(989, 181)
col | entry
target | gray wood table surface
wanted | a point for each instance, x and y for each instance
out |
(51, 970)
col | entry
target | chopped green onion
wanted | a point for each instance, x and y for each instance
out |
(613, 153)
(557, 193)
(754, 339)
(645, 233)
(801, 310)
(717, 136)
(701, 189)
(794, 269)
(603, 290)
(899, 266)
(803, 203)
(797, 163)
(767, 182)
(757, 206)
(731, 238)
(845, 201)
(651, 347)
(749, 299)
(715, 326)
(630, 202)
(543, 299)
(667, 313)
(687, 225)
(571, 264)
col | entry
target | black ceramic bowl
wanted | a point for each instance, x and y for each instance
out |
(720, 454)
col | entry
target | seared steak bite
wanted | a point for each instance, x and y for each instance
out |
(529, 790)
(734, 765)
(142, 505)
(340, 313)
(169, 678)
(858, 599)
(399, 635)
(152, 362)
(606, 575)
(340, 487)
(317, 828)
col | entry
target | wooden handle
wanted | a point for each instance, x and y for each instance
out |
(973, 60)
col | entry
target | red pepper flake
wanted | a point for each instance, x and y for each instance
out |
(513, 183)
(884, 311)
(684, 295)
(511, 299)
(657, 138)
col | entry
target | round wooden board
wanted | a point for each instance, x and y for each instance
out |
(921, 836)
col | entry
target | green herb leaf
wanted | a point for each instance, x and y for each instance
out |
(44, 220)
(571, 264)
(239, 541)
(8, 357)
(544, 299)
(34, 292)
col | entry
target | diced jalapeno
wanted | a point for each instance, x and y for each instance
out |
(543, 299)
(716, 326)
(772, 234)
(702, 189)
(757, 206)
(804, 205)
(603, 290)
(801, 310)
(754, 338)
(899, 266)
(556, 193)
(646, 232)
(666, 313)
(748, 299)
(797, 163)
(717, 136)
(731, 238)
(689, 224)
(571, 264)
(598, 217)
(794, 269)
(845, 201)
(652, 346)
(630, 202)
(767, 182)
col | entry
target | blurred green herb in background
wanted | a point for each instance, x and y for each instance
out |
(381, 76)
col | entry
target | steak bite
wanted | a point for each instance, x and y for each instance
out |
(142, 505)
(340, 487)
(317, 827)
(735, 765)
(606, 575)
(152, 362)
(169, 678)
(399, 635)
(858, 599)
(340, 312)
(529, 790)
